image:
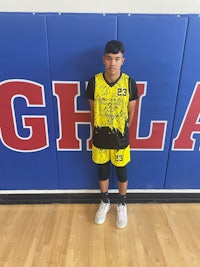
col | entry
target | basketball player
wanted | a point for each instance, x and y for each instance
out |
(112, 96)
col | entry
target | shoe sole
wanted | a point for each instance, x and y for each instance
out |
(121, 226)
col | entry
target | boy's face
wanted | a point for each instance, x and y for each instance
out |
(113, 63)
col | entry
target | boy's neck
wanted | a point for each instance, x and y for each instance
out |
(111, 78)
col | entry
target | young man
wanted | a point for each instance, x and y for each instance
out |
(112, 96)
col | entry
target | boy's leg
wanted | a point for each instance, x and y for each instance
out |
(122, 184)
(122, 191)
(104, 173)
(122, 218)
(102, 158)
(104, 207)
(120, 159)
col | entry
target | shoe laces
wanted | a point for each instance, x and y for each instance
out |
(103, 206)
(122, 209)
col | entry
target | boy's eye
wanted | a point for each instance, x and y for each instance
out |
(116, 59)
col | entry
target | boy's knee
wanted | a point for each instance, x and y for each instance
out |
(122, 174)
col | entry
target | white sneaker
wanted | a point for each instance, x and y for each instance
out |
(122, 218)
(101, 213)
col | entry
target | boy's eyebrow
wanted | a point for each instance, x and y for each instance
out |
(114, 56)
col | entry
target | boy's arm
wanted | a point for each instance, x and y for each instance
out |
(91, 103)
(131, 109)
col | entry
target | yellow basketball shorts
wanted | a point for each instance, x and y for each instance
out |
(118, 157)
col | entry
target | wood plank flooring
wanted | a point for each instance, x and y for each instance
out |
(65, 235)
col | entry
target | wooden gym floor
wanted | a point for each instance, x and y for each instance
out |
(64, 235)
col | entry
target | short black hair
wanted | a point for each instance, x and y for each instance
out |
(114, 47)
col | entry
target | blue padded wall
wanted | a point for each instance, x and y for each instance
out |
(2, 184)
(183, 167)
(24, 56)
(155, 46)
(75, 44)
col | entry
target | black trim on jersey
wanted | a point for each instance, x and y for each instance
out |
(133, 92)
(90, 89)
(106, 138)
(112, 83)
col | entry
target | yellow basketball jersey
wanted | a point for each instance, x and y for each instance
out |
(111, 103)
(111, 112)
